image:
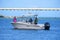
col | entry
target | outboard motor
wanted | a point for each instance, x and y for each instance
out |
(47, 26)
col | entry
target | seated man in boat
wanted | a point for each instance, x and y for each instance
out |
(30, 20)
(36, 20)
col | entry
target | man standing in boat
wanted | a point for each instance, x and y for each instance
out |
(36, 20)
(14, 20)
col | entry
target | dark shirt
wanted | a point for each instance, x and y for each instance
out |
(30, 20)
(36, 20)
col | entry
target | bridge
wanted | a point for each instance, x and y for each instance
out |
(32, 9)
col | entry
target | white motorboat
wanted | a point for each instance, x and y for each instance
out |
(28, 25)
(24, 25)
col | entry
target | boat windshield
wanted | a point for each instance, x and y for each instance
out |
(26, 18)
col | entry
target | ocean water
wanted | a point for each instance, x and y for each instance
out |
(7, 31)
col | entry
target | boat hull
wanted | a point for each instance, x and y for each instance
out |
(24, 25)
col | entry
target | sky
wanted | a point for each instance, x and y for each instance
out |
(30, 4)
